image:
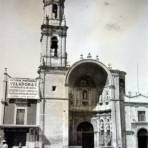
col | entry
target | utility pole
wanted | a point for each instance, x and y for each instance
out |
(138, 79)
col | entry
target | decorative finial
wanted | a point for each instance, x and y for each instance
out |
(5, 74)
(43, 62)
(129, 93)
(81, 56)
(97, 58)
(63, 21)
(64, 18)
(89, 56)
(6, 69)
(47, 20)
(109, 66)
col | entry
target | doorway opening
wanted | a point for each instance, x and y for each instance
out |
(142, 138)
(15, 137)
(85, 135)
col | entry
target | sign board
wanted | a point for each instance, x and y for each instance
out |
(23, 88)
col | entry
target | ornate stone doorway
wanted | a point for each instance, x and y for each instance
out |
(85, 135)
(143, 138)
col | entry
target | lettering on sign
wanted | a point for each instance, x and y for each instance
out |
(23, 88)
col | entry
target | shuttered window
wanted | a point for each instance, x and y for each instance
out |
(141, 115)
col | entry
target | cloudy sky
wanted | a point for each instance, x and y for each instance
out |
(115, 30)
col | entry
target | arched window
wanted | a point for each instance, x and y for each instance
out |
(83, 83)
(54, 46)
(55, 10)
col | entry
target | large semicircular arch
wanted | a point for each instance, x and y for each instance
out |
(85, 61)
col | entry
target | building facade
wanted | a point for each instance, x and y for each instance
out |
(78, 106)
(19, 124)
(136, 111)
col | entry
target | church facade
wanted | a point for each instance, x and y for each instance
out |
(78, 106)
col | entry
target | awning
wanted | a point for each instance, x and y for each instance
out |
(18, 126)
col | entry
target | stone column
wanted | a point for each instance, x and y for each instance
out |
(96, 139)
(96, 132)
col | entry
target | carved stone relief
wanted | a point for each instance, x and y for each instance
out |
(105, 134)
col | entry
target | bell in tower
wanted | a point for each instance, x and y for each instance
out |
(53, 35)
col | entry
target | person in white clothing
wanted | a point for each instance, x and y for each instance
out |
(4, 145)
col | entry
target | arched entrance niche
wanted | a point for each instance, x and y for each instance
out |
(86, 81)
(85, 135)
(142, 138)
(87, 62)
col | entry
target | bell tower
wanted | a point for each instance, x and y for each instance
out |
(52, 73)
(53, 35)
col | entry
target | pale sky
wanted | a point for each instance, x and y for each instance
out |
(115, 30)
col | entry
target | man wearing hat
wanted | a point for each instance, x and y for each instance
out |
(4, 144)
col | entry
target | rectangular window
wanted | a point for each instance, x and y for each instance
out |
(53, 88)
(20, 116)
(141, 115)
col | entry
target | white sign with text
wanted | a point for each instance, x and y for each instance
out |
(23, 88)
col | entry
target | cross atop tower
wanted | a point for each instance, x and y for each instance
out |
(53, 35)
